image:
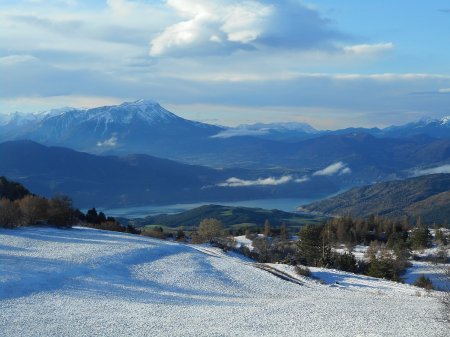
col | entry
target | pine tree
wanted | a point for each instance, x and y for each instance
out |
(420, 237)
(424, 282)
(92, 216)
(310, 247)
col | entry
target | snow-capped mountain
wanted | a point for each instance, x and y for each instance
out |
(437, 128)
(445, 121)
(276, 131)
(145, 127)
(144, 111)
(141, 126)
(18, 119)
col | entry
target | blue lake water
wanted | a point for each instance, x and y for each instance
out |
(288, 205)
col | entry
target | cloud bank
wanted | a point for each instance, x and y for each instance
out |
(338, 168)
(434, 170)
(270, 181)
(240, 132)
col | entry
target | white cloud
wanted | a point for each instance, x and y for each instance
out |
(122, 7)
(245, 22)
(271, 181)
(444, 91)
(223, 27)
(369, 49)
(434, 170)
(337, 168)
(302, 179)
(240, 132)
(16, 59)
(346, 170)
(111, 142)
(210, 26)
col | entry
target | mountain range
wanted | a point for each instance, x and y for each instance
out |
(425, 197)
(145, 127)
(275, 158)
(106, 125)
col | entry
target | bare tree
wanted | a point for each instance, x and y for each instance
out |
(33, 208)
(10, 214)
(209, 229)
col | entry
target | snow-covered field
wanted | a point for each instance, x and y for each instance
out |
(85, 282)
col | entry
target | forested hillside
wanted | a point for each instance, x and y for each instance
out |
(11, 190)
(427, 197)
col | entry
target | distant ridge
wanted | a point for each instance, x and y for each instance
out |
(113, 181)
(427, 197)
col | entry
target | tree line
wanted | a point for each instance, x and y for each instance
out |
(390, 244)
(35, 210)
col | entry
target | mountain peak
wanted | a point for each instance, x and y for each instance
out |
(141, 103)
(144, 110)
(445, 120)
(427, 121)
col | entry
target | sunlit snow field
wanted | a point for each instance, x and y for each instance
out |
(85, 282)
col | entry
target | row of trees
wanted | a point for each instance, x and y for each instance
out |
(18, 207)
(99, 220)
(390, 244)
(32, 210)
(349, 231)
(389, 248)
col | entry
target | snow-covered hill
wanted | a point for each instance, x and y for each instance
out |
(84, 282)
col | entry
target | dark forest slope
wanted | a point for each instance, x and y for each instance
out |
(425, 196)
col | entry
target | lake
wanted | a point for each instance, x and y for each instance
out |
(288, 205)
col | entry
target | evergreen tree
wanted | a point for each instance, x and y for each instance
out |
(61, 213)
(345, 262)
(101, 217)
(420, 237)
(92, 216)
(424, 282)
(181, 236)
(311, 246)
(386, 267)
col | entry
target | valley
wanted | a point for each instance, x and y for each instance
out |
(212, 168)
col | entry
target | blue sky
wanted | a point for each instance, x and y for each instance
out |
(330, 63)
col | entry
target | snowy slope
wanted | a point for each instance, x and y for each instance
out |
(85, 282)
